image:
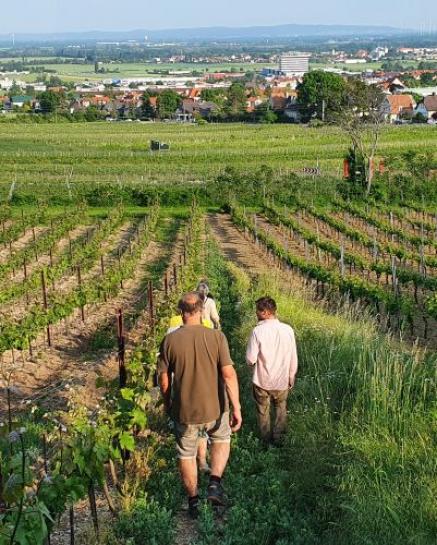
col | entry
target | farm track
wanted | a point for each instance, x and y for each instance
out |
(244, 253)
(70, 367)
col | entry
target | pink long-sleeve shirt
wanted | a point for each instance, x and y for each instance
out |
(272, 351)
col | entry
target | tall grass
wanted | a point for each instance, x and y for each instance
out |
(359, 463)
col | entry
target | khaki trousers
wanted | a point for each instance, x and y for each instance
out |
(263, 399)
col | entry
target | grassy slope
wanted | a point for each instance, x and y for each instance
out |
(359, 459)
(358, 464)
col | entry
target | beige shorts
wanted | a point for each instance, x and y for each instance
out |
(188, 435)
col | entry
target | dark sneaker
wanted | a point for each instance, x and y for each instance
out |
(193, 508)
(216, 494)
(277, 441)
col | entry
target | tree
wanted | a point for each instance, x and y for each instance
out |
(92, 113)
(427, 78)
(49, 102)
(15, 89)
(213, 95)
(236, 97)
(361, 119)
(264, 114)
(55, 81)
(147, 110)
(321, 93)
(168, 102)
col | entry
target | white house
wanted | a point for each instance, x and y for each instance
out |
(428, 107)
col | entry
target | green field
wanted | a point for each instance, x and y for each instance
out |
(103, 152)
(79, 72)
(116, 70)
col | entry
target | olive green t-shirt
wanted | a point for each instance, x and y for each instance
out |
(194, 355)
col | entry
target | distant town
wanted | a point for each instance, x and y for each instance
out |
(213, 87)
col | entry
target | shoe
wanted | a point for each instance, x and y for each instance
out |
(277, 441)
(216, 494)
(193, 508)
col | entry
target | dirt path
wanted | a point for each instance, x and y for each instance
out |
(236, 247)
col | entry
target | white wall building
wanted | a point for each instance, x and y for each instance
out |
(295, 64)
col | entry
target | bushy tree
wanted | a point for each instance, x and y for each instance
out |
(49, 102)
(147, 110)
(321, 93)
(15, 89)
(213, 95)
(361, 119)
(168, 102)
(236, 99)
(264, 114)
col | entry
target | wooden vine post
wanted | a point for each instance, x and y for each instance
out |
(34, 243)
(166, 284)
(151, 305)
(121, 349)
(342, 271)
(175, 274)
(44, 296)
(25, 279)
(71, 518)
(119, 267)
(102, 270)
(79, 283)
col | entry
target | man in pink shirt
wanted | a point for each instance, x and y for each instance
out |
(272, 353)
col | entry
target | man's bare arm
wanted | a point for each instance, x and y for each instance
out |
(231, 380)
(165, 387)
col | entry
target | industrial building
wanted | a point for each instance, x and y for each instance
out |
(294, 64)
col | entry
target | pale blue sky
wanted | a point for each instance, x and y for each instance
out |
(79, 15)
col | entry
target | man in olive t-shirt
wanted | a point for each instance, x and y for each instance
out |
(196, 377)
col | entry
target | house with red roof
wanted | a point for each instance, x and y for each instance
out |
(397, 107)
(252, 102)
(428, 107)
